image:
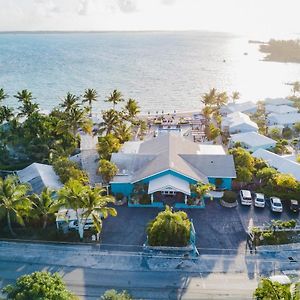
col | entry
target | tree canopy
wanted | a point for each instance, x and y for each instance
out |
(39, 285)
(169, 229)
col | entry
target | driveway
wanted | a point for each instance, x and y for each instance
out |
(216, 228)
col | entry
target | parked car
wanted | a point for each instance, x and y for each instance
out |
(259, 200)
(74, 224)
(294, 206)
(276, 204)
(246, 198)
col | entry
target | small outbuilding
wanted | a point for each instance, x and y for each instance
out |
(39, 176)
(286, 120)
(280, 109)
(238, 122)
(281, 163)
(252, 141)
(278, 101)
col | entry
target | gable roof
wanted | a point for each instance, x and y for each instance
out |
(247, 106)
(171, 152)
(252, 139)
(284, 119)
(238, 118)
(280, 109)
(280, 163)
(39, 176)
(278, 101)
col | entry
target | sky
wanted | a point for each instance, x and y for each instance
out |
(240, 16)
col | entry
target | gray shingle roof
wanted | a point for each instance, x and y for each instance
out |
(171, 152)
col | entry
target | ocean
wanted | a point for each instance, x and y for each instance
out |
(162, 70)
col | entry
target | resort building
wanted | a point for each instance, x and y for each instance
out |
(286, 120)
(39, 176)
(248, 107)
(238, 122)
(278, 101)
(165, 168)
(252, 141)
(280, 109)
(281, 163)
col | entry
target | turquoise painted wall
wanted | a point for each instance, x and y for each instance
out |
(225, 185)
(190, 180)
(124, 188)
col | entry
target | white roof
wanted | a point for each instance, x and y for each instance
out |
(240, 107)
(39, 176)
(278, 101)
(211, 149)
(283, 119)
(131, 147)
(280, 109)
(252, 139)
(238, 118)
(169, 182)
(278, 162)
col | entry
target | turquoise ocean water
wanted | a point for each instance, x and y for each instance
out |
(162, 70)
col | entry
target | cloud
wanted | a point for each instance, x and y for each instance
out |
(127, 6)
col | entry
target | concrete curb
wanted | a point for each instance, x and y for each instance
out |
(228, 205)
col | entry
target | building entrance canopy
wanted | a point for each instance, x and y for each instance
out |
(169, 183)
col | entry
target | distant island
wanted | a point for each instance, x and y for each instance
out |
(281, 50)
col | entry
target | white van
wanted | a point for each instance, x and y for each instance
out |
(246, 198)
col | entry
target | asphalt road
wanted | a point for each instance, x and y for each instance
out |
(90, 283)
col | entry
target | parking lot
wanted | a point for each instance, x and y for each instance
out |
(216, 227)
(254, 216)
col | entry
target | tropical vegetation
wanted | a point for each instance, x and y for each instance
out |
(38, 285)
(114, 295)
(169, 228)
(268, 290)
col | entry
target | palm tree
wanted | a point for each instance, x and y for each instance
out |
(70, 102)
(209, 99)
(6, 114)
(95, 206)
(44, 205)
(111, 119)
(76, 118)
(202, 189)
(123, 132)
(28, 106)
(24, 95)
(90, 96)
(131, 109)
(3, 95)
(72, 195)
(115, 97)
(13, 201)
(235, 96)
(221, 99)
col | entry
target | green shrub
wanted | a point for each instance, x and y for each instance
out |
(114, 295)
(39, 285)
(67, 170)
(169, 229)
(229, 197)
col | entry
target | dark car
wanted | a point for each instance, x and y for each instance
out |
(294, 206)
